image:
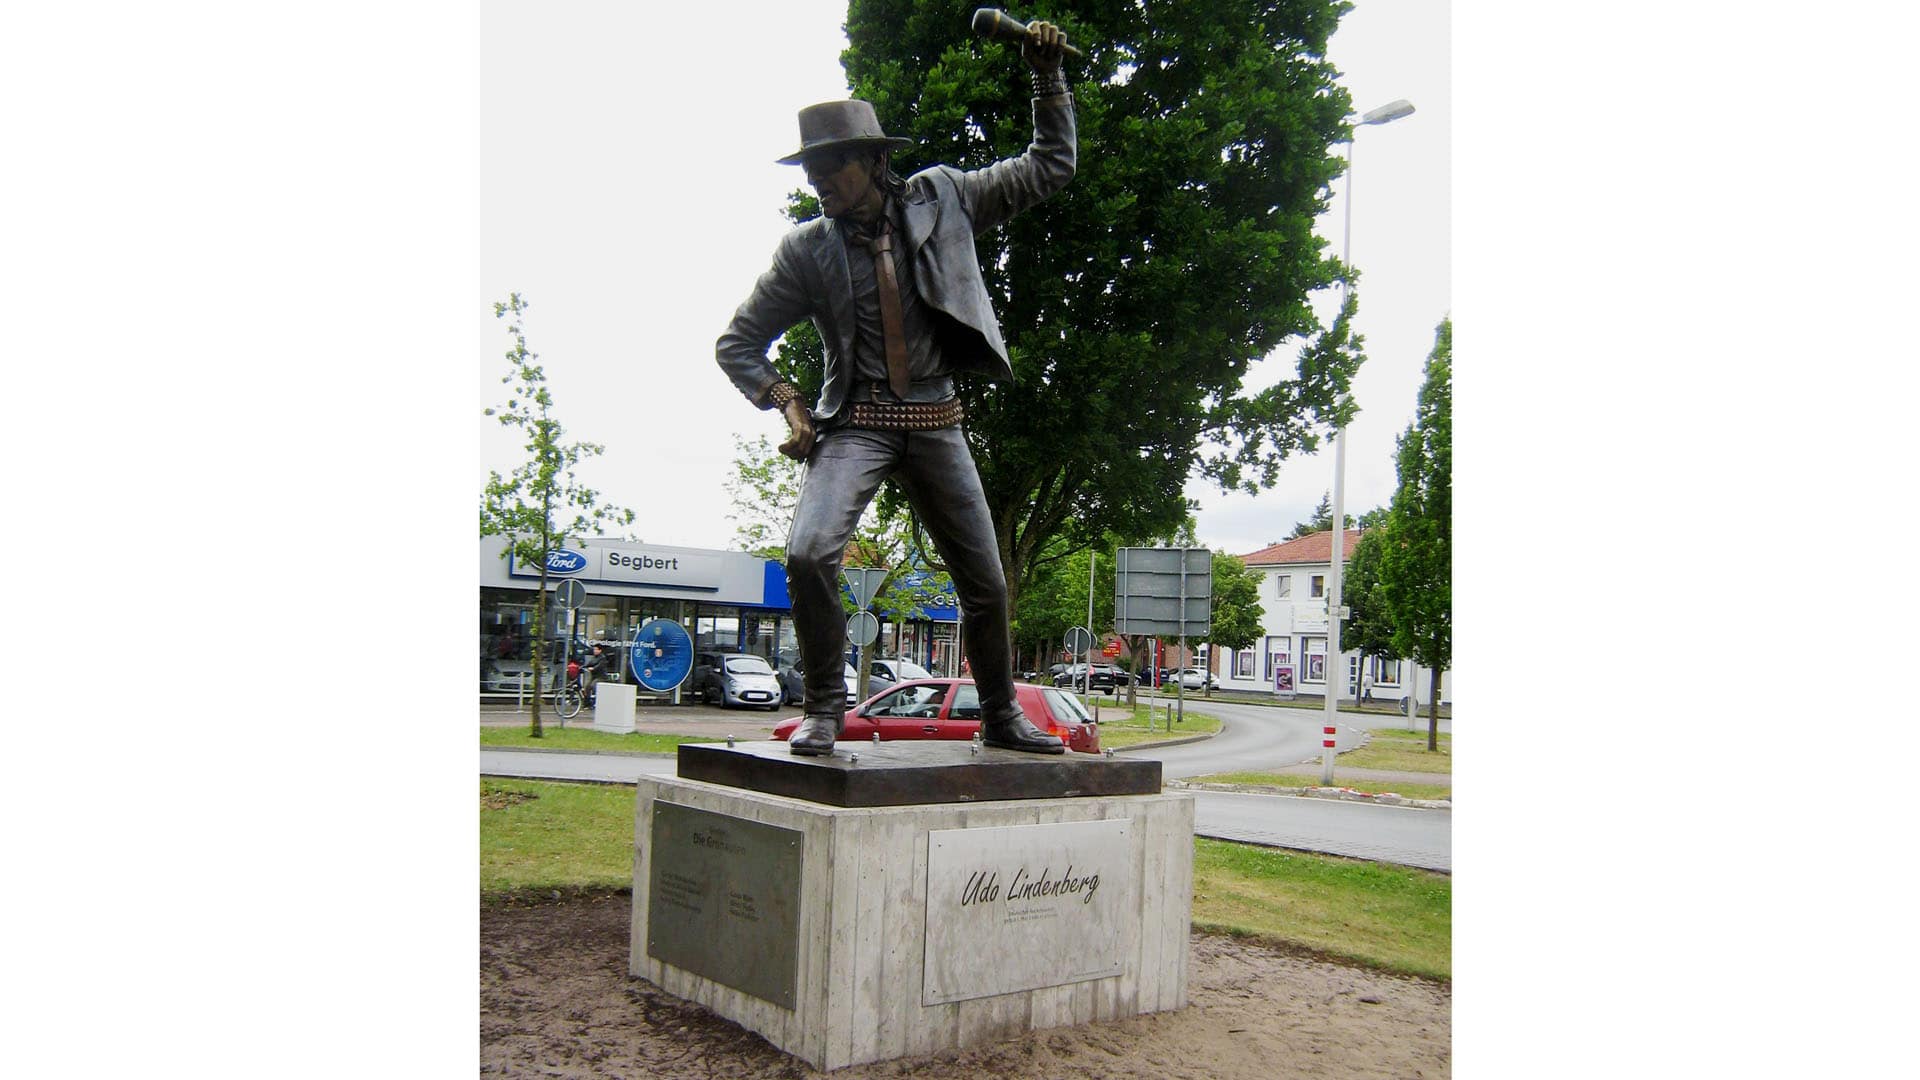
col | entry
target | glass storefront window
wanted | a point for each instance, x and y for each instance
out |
(507, 634)
(945, 639)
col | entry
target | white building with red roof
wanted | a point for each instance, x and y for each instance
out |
(1292, 654)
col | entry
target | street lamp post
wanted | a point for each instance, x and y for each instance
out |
(1336, 660)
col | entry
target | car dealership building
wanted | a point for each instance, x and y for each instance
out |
(728, 601)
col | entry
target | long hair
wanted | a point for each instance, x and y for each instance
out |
(890, 182)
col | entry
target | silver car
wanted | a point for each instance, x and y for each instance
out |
(793, 683)
(732, 679)
(882, 674)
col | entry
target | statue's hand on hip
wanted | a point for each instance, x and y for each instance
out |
(799, 444)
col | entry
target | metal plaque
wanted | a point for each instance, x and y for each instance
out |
(1027, 906)
(723, 900)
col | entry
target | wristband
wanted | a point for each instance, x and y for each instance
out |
(780, 393)
(1047, 84)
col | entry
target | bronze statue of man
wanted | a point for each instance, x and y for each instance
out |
(890, 278)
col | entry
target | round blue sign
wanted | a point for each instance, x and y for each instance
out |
(662, 655)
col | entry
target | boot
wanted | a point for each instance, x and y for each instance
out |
(814, 736)
(1016, 732)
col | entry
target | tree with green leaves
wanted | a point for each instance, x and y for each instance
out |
(1369, 629)
(1134, 301)
(541, 504)
(1237, 614)
(764, 490)
(1416, 563)
(1056, 600)
(1322, 519)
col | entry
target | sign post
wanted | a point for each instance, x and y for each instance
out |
(570, 595)
(862, 627)
(1164, 592)
(1079, 641)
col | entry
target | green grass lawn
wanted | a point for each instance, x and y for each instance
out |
(535, 834)
(1147, 723)
(1389, 917)
(1401, 751)
(584, 738)
(541, 835)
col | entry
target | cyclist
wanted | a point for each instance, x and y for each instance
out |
(596, 667)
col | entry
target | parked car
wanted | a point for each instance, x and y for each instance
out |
(736, 679)
(950, 709)
(1196, 679)
(1106, 678)
(884, 674)
(793, 684)
(507, 676)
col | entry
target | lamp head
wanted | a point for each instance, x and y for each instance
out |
(1392, 110)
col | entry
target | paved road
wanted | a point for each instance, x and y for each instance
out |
(1395, 834)
(1262, 738)
(1410, 837)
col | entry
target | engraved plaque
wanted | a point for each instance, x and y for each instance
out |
(723, 900)
(1026, 906)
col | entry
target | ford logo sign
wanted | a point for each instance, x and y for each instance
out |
(565, 562)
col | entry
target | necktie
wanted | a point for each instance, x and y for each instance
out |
(891, 321)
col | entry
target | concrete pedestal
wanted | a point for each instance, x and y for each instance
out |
(914, 928)
(613, 708)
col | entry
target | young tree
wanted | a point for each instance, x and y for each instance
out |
(1416, 563)
(1056, 600)
(765, 488)
(1369, 629)
(1135, 300)
(540, 505)
(1236, 606)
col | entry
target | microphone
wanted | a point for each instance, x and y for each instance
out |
(997, 25)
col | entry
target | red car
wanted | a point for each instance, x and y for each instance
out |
(950, 709)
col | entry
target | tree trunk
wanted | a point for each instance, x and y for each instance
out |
(540, 624)
(1433, 711)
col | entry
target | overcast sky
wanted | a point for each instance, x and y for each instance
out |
(240, 254)
(629, 193)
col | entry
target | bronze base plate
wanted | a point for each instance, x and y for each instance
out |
(910, 772)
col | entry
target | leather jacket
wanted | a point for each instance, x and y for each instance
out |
(944, 207)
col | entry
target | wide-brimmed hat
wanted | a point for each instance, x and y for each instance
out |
(839, 125)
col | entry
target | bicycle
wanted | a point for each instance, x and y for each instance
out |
(569, 700)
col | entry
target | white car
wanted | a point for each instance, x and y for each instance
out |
(507, 677)
(1194, 678)
(882, 674)
(793, 683)
(736, 679)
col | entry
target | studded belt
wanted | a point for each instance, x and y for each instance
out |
(905, 415)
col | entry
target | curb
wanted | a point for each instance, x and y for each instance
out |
(559, 750)
(1157, 744)
(1381, 798)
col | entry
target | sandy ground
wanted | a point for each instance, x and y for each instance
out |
(556, 1001)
